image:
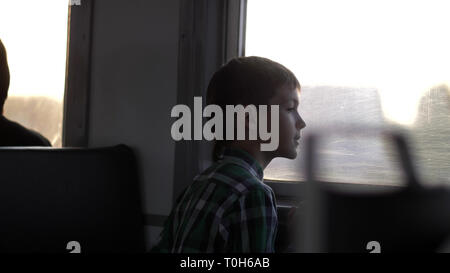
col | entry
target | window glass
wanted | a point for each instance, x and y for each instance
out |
(35, 36)
(370, 63)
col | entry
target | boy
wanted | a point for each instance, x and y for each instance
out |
(228, 208)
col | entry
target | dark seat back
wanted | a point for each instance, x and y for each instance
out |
(50, 197)
(410, 219)
(402, 221)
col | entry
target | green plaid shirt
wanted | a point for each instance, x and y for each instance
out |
(227, 208)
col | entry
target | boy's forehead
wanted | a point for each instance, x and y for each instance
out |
(285, 95)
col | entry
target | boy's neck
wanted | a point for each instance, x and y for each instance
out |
(254, 151)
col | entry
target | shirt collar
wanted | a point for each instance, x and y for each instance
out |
(243, 159)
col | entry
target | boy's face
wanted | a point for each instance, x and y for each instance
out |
(290, 122)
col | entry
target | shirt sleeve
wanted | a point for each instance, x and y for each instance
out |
(252, 222)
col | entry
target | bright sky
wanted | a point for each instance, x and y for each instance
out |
(399, 47)
(35, 36)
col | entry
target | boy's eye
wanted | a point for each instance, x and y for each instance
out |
(291, 109)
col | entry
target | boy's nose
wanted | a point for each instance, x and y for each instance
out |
(300, 123)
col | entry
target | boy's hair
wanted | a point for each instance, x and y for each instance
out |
(4, 76)
(245, 81)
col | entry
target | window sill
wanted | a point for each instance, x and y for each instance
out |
(289, 193)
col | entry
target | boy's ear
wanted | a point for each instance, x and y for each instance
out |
(251, 126)
(247, 120)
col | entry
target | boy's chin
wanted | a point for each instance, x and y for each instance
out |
(293, 155)
(290, 154)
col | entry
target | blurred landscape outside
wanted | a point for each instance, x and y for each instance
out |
(35, 36)
(370, 63)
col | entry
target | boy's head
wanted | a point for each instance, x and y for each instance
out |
(260, 81)
(4, 76)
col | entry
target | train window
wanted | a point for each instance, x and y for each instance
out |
(377, 63)
(35, 36)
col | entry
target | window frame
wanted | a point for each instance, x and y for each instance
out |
(201, 51)
(78, 75)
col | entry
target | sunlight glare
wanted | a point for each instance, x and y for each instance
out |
(398, 47)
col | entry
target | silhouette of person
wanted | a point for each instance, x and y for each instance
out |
(12, 133)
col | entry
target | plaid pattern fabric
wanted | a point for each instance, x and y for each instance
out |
(226, 209)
